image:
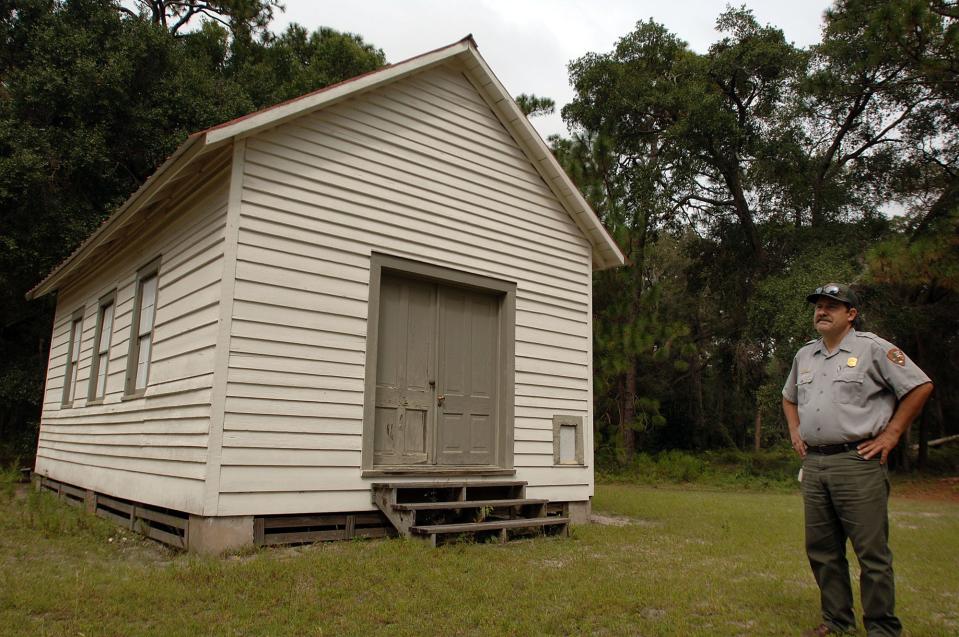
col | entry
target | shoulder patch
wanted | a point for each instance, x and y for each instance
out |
(896, 356)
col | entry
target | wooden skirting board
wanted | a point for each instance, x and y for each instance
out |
(409, 509)
(275, 530)
(173, 527)
(164, 525)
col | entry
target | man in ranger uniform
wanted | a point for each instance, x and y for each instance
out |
(849, 397)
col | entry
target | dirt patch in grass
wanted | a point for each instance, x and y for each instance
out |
(610, 520)
(605, 519)
(942, 489)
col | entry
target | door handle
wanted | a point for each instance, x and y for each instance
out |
(440, 399)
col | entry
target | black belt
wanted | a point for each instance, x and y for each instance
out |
(830, 450)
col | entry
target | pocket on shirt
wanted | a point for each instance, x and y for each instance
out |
(804, 387)
(847, 389)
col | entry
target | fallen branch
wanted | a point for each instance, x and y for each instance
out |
(938, 441)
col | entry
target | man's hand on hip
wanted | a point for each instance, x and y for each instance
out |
(881, 444)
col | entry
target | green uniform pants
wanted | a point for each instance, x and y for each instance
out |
(846, 496)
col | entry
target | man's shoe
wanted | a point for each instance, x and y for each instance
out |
(820, 631)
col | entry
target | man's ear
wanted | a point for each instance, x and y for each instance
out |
(853, 313)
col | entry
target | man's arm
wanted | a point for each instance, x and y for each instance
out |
(792, 417)
(906, 411)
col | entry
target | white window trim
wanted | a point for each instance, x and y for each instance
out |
(70, 375)
(130, 389)
(94, 389)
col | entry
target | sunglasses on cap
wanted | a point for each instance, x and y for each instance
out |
(827, 289)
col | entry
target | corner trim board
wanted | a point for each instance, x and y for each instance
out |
(221, 367)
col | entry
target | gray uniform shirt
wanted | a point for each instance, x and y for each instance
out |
(851, 393)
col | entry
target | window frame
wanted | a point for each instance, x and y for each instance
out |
(71, 372)
(93, 389)
(130, 390)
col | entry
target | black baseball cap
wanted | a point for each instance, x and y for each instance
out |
(837, 291)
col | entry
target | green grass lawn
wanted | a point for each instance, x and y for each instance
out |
(684, 562)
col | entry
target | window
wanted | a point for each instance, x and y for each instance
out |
(568, 440)
(101, 353)
(73, 357)
(141, 332)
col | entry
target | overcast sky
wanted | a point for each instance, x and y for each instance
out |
(528, 43)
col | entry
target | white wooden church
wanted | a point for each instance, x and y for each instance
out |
(314, 319)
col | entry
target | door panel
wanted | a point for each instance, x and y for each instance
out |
(436, 376)
(404, 396)
(466, 377)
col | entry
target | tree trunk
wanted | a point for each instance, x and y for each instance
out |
(946, 201)
(903, 449)
(923, 418)
(699, 413)
(758, 430)
(629, 410)
(734, 182)
(637, 283)
(923, 458)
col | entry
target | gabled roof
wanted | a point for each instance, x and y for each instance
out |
(606, 254)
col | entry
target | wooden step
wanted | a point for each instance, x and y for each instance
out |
(448, 485)
(466, 504)
(495, 525)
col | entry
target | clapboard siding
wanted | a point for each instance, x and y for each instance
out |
(237, 421)
(275, 165)
(274, 406)
(136, 462)
(305, 344)
(325, 457)
(294, 373)
(538, 365)
(550, 380)
(186, 425)
(173, 492)
(121, 444)
(415, 238)
(293, 440)
(420, 169)
(526, 432)
(545, 413)
(307, 500)
(363, 151)
(103, 417)
(165, 450)
(289, 256)
(129, 439)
